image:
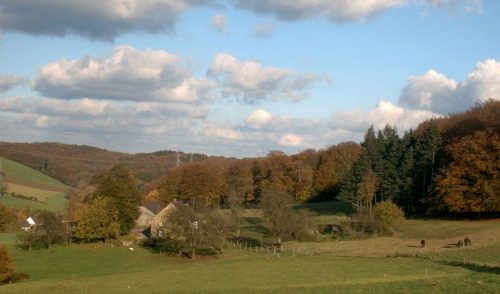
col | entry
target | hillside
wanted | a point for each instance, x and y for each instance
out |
(28, 188)
(71, 163)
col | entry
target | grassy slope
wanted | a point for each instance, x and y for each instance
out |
(30, 182)
(21, 172)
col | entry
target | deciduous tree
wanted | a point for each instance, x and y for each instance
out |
(121, 188)
(98, 221)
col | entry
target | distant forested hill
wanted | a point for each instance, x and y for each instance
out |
(71, 163)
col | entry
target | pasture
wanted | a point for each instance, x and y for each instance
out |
(46, 192)
(376, 265)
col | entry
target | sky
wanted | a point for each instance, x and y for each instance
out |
(239, 77)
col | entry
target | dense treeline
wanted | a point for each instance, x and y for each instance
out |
(305, 176)
(447, 165)
(72, 163)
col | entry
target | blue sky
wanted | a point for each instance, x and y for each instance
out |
(239, 78)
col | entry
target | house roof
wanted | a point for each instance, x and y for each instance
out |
(154, 207)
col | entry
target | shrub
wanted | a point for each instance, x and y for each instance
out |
(7, 219)
(7, 274)
(387, 216)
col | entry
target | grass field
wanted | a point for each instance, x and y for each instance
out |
(21, 172)
(22, 180)
(85, 269)
(376, 265)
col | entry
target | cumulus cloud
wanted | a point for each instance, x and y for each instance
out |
(258, 118)
(129, 74)
(100, 20)
(384, 113)
(290, 140)
(338, 11)
(8, 82)
(219, 22)
(252, 82)
(435, 92)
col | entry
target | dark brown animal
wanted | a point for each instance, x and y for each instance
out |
(467, 241)
(422, 243)
(460, 243)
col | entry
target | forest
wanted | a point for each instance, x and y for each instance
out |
(446, 166)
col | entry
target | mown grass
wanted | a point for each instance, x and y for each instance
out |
(85, 269)
(21, 172)
(56, 202)
(39, 194)
(444, 229)
(375, 265)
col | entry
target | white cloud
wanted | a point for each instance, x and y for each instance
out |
(129, 74)
(219, 21)
(290, 140)
(384, 113)
(338, 11)
(221, 132)
(252, 82)
(102, 20)
(8, 82)
(438, 93)
(258, 118)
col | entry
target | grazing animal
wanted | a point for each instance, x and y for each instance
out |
(467, 241)
(460, 243)
(422, 243)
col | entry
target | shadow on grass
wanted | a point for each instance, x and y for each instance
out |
(257, 229)
(473, 267)
(254, 220)
(328, 207)
(245, 241)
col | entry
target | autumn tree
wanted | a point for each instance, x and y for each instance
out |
(471, 182)
(7, 219)
(50, 228)
(387, 216)
(6, 265)
(184, 226)
(98, 221)
(118, 186)
(333, 166)
(366, 191)
(7, 268)
(79, 197)
(286, 223)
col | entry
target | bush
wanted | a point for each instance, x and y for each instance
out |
(7, 219)
(387, 217)
(7, 274)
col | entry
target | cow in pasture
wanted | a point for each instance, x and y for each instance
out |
(460, 243)
(422, 243)
(467, 241)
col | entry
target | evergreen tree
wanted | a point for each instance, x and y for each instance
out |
(427, 150)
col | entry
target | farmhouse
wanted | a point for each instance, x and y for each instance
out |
(153, 219)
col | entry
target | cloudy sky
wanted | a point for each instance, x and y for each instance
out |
(239, 77)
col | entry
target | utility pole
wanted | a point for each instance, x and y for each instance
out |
(178, 159)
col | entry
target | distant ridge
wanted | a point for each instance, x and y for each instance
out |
(71, 163)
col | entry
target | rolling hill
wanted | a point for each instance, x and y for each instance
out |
(71, 163)
(28, 188)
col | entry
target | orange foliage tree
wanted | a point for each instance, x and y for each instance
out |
(472, 180)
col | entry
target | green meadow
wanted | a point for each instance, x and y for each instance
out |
(48, 193)
(393, 265)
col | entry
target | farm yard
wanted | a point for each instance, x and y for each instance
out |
(374, 265)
